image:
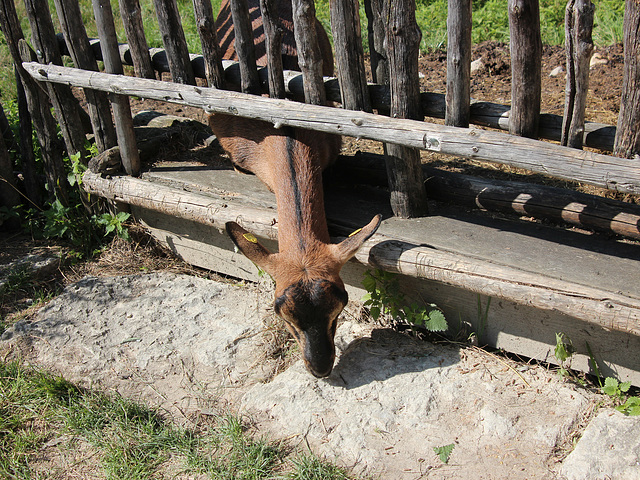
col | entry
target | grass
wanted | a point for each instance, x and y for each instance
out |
(44, 417)
(489, 23)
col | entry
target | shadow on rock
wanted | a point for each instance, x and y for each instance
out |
(386, 354)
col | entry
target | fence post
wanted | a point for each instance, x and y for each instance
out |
(458, 99)
(119, 103)
(174, 42)
(273, 43)
(579, 47)
(9, 196)
(309, 55)
(627, 142)
(244, 46)
(376, 32)
(138, 47)
(526, 67)
(408, 197)
(345, 25)
(209, 40)
(66, 107)
(80, 51)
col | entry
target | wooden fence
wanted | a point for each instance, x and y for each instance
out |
(608, 311)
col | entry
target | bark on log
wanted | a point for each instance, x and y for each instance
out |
(627, 143)
(209, 41)
(526, 67)
(562, 162)
(273, 45)
(138, 47)
(66, 107)
(309, 55)
(352, 77)
(250, 82)
(376, 31)
(78, 46)
(579, 47)
(119, 103)
(458, 63)
(174, 41)
(408, 196)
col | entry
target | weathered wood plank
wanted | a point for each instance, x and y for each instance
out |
(209, 40)
(139, 49)
(309, 54)
(525, 46)
(579, 47)
(174, 41)
(244, 46)
(562, 162)
(627, 142)
(458, 63)
(273, 45)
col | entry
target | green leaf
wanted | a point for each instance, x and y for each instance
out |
(444, 452)
(375, 312)
(611, 386)
(436, 322)
(624, 387)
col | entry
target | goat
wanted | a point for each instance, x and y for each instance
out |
(309, 293)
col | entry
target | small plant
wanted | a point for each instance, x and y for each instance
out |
(444, 452)
(385, 298)
(563, 352)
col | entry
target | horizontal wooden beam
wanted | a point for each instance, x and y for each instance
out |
(389, 252)
(570, 164)
(486, 114)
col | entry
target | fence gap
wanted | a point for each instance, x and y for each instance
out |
(80, 51)
(66, 107)
(408, 197)
(245, 48)
(206, 26)
(174, 42)
(526, 67)
(119, 103)
(345, 25)
(458, 97)
(138, 48)
(273, 42)
(578, 47)
(309, 55)
(627, 141)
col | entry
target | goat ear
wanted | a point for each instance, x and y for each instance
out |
(350, 245)
(248, 244)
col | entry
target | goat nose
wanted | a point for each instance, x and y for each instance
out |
(319, 373)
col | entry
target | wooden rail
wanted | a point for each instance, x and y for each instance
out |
(596, 169)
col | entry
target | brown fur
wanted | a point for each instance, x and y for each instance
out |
(309, 293)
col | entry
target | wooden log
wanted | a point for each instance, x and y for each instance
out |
(345, 25)
(244, 46)
(65, 105)
(487, 114)
(541, 202)
(209, 40)
(577, 165)
(273, 44)
(7, 133)
(458, 96)
(138, 47)
(408, 196)
(9, 194)
(174, 41)
(526, 67)
(119, 103)
(309, 54)
(376, 31)
(78, 47)
(627, 142)
(393, 253)
(33, 186)
(579, 47)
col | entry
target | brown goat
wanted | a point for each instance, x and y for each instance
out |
(309, 293)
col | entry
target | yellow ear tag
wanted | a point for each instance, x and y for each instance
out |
(353, 233)
(250, 238)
